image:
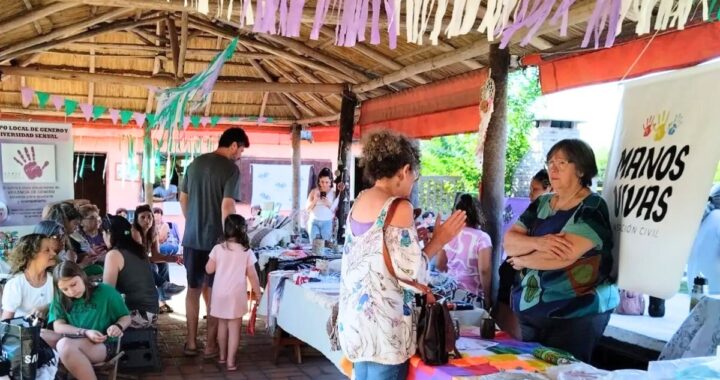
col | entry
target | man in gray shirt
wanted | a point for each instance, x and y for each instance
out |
(207, 197)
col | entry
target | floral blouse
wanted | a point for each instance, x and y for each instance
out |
(376, 316)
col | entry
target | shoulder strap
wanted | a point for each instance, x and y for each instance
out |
(386, 254)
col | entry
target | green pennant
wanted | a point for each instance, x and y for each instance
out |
(150, 118)
(98, 111)
(214, 120)
(234, 118)
(195, 120)
(70, 107)
(43, 98)
(125, 116)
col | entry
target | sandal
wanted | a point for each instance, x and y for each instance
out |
(232, 368)
(211, 355)
(222, 361)
(188, 351)
(165, 309)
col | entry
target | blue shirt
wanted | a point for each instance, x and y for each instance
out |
(705, 253)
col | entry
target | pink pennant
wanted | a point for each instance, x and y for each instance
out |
(261, 120)
(27, 94)
(204, 121)
(186, 122)
(114, 115)
(57, 101)
(139, 119)
(87, 110)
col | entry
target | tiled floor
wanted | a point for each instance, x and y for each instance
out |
(254, 356)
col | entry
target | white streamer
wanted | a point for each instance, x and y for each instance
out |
(471, 11)
(437, 27)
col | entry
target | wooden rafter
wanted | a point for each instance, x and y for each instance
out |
(32, 16)
(156, 68)
(23, 47)
(284, 96)
(144, 81)
(88, 34)
(326, 107)
(174, 45)
(184, 39)
(148, 36)
(263, 104)
(578, 14)
(208, 105)
(140, 37)
(134, 48)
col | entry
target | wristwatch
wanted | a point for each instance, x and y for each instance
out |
(119, 326)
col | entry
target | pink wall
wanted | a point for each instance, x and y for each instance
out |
(125, 193)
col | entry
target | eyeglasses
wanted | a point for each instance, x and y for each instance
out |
(559, 164)
(57, 237)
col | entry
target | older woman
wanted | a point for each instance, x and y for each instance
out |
(30, 290)
(65, 214)
(56, 232)
(468, 257)
(88, 234)
(562, 243)
(375, 313)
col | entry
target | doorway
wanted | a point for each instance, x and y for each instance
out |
(89, 179)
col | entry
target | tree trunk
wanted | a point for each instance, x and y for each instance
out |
(493, 178)
(347, 125)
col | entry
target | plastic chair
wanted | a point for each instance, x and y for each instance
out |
(699, 334)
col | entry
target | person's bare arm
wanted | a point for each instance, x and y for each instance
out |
(254, 281)
(163, 232)
(546, 260)
(7, 314)
(518, 243)
(184, 203)
(114, 263)
(485, 271)
(441, 261)
(228, 208)
(210, 267)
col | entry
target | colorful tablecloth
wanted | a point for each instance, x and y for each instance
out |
(506, 355)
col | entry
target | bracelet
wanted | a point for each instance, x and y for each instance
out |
(119, 326)
(81, 332)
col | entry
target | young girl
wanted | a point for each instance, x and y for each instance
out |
(231, 262)
(89, 318)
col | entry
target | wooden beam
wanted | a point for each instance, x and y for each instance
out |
(283, 97)
(37, 26)
(174, 45)
(91, 33)
(149, 36)
(208, 105)
(310, 77)
(295, 140)
(291, 79)
(91, 85)
(301, 104)
(156, 69)
(84, 46)
(232, 33)
(168, 82)
(320, 119)
(263, 104)
(61, 32)
(140, 37)
(32, 16)
(184, 45)
(374, 55)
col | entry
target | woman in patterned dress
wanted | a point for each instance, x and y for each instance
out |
(376, 321)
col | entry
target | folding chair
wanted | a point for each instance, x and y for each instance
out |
(109, 368)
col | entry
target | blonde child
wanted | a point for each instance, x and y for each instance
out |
(90, 318)
(233, 263)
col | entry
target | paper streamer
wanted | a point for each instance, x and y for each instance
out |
(87, 111)
(27, 94)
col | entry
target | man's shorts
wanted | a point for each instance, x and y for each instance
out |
(195, 261)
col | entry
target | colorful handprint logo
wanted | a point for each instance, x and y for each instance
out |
(662, 126)
(29, 163)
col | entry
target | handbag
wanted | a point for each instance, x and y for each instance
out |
(631, 303)
(18, 338)
(436, 333)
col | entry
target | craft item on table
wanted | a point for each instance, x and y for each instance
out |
(332, 329)
(322, 265)
(470, 344)
(275, 303)
(487, 106)
(294, 253)
(579, 371)
(515, 375)
(335, 266)
(553, 355)
(470, 331)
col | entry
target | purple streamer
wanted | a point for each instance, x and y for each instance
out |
(259, 13)
(321, 9)
(516, 25)
(392, 32)
(363, 20)
(283, 17)
(613, 20)
(593, 24)
(562, 11)
(295, 17)
(269, 19)
(537, 19)
(375, 27)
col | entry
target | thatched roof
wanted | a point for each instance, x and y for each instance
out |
(141, 42)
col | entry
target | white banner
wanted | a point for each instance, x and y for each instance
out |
(273, 183)
(35, 169)
(660, 171)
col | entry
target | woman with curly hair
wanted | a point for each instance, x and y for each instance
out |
(375, 313)
(30, 290)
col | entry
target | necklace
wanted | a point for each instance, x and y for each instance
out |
(567, 201)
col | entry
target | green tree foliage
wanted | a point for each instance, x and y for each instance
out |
(455, 155)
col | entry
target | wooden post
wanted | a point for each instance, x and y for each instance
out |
(493, 178)
(147, 166)
(347, 125)
(296, 176)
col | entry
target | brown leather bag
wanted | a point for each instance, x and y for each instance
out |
(436, 331)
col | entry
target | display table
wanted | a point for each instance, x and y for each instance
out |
(303, 311)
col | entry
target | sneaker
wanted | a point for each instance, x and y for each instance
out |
(171, 288)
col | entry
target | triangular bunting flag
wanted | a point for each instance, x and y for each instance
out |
(195, 120)
(87, 110)
(70, 106)
(139, 118)
(214, 120)
(261, 119)
(186, 122)
(114, 115)
(27, 96)
(57, 101)
(204, 121)
(125, 116)
(98, 111)
(43, 98)
(150, 120)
